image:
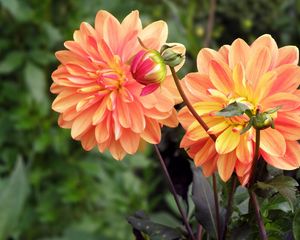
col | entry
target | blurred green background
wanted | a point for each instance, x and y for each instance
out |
(50, 187)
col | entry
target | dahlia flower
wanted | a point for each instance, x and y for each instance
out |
(98, 98)
(260, 76)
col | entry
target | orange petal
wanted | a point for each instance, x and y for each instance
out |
(227, 141)
(221, 126)
(288, 79)
(102, 131)
(116, 150)
(88, 140)
(171, 121)
(197, 83)
(151, 132)
(196, 132)
(220, 76)
(206, 153)
(123, 113)
(287, 101)
(288, 55)
(209, 167)
(239, 53)
(137, 117)
(207, 107)
(289, 161)
(204, 57)
(129, 141)
(244, 150)
(154, 35)
(288, 124)
(185, 117)
(259, 62)
(272, 142)
(82, 122)
(226, 163)
(224, 52)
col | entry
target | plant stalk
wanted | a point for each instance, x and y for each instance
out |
(210, 22)
(173, 191)
(212, 136)
(252, 179)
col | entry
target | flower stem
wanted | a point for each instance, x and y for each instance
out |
(252, 179)
(199, 232)
(229, 205)
(210, 22)
(261, 227)
(213, 137)
(216, 198)
(173, 191)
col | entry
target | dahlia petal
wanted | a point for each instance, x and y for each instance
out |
(151, 132)
(288, 79)
(219, 127)
(288, 55)
(123, 113)
(138, 122)
(267, 41)
(257, 65)
(116, 126)
(239, 53)
(272, 142)
(169, 85)
(204, 57)
(149, 89)
(171, 121)
(131, 22)
(224, 52)
(165, 101)
(288, 124)
(227, 141)
(244, 150)
(220, 76)
(289, 161)
(82, 122)
(154, 35)
(226, 164)
(116, 150)
(111, 33)
(209, 167)
(130, 141)
(100, 19)
(206, 153)
(242, 168)
(65, 100)
(185, 117)
(102, 132)
(62, 123)
(67, 57)
(88, 140)
(240, 84)
(197, 83)
(207, 107)
(263, 87)
(196, 132)
(286, 101)
(100, 111)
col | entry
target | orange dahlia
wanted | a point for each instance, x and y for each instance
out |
(260, 76)
(97, 96)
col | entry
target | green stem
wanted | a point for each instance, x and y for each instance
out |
(173, 191)
(252, 179)
(213, 137)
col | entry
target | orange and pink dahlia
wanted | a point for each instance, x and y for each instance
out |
(98, 98)
(261, 76)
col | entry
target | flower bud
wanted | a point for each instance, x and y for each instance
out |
(263, 121)
(172, 55)
(148, 68)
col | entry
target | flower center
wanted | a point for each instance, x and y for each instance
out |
(114, 75)
(241, 121)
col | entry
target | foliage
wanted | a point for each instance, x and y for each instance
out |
(50, 189)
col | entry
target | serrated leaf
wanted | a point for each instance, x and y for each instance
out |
(12, 199)
(284, 185)
(203, 197)
(36, 82)
(11, 62)
(233, 109)
(155, 231)
(296, 224)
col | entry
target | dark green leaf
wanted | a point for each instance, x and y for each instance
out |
(233, 109)
(203, 197)
(11, 62)
(155, 231)
(284, 185)
(36, 82)
(12, 200)
(296, 224)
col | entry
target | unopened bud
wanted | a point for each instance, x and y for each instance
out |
(171, 55)
(148, 68)
(263, 121)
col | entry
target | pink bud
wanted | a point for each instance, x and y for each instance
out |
(148, 68)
